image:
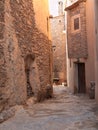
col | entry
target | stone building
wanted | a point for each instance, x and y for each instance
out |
(81, 58)
(59, 43)
(94, 28)
(25, 51)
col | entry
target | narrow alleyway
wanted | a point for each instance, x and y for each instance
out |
(64, 112)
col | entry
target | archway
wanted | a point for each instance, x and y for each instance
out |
(32, 75)
(28, 61)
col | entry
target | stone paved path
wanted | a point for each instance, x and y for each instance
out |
(63, 112)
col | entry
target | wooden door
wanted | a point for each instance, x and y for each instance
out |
(81, 78)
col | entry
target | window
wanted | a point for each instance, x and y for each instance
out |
(75, 23)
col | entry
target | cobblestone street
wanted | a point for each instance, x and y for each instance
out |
(64, 112)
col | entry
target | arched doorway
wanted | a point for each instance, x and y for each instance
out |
(28, 61)
(31, 69)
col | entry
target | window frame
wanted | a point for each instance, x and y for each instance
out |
(73, 30)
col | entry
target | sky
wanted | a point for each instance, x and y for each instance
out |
(53, 7)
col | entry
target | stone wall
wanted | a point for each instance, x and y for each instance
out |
(20, 37)
(2, 65)
(59, 47)
(77, 40)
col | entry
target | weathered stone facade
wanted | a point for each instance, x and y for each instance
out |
(80, 61)
(59, 47)
(77, 40)
(25, 52)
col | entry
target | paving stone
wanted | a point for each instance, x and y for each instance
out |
(63, 112)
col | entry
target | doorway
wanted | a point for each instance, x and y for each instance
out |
(32, 75)
(29, 59)
(81, 78)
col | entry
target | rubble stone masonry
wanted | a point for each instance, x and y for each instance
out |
(23, 48)
(59, 44)
(77, 40)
